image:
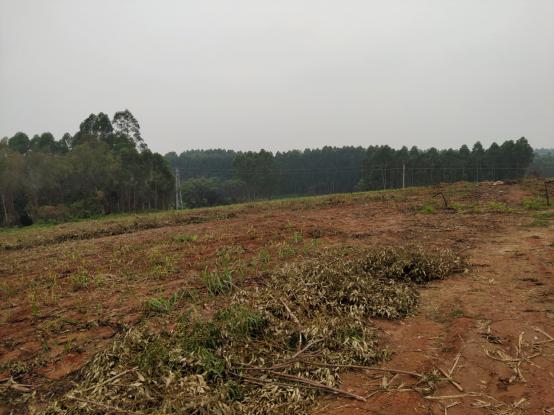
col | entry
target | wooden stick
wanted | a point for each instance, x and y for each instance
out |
(444, 397)
(295, 319)
(455, 363)
(110, 379)
(293, 358)
(317, 385)
(377, 369)
(452, 381)
(291, 314)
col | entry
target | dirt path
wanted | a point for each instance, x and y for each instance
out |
(507, 293)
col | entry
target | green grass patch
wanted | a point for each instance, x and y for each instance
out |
(498, 207)
(218, 281)
(533, 203)
(427, 208)
(160, 305)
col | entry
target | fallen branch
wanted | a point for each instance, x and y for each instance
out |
(455, 364)
(317, 385)
(446, 397)
(294, 357)
(377, 369)
(110, 379)
(452, 381)
(296, 321)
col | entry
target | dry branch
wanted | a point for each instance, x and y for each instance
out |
(377, 369)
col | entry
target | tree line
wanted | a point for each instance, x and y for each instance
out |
(105, 167)
(213, 177)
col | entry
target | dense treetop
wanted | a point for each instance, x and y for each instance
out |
(104, 167)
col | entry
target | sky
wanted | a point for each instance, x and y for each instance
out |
(287, 74)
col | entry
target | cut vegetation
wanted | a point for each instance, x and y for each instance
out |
(271, 350)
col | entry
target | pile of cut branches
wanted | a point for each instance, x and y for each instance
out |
(273, 350)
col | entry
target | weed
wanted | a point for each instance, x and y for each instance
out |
(264, 256)
(533, 203)
(162, 266)
(201, 334)
(160, 305)
(427, 208)
(297, 237)
(33, 299)
(186, 238)
(234, 391)
(15, 368)
(498, 207)
(218, 282)
(80, 280)
(286, 251)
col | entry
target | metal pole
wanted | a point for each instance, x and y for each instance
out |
(177, 189)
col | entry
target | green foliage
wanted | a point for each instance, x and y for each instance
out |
(186, 238)
(218, 282)
(498, 207)
(427, 208)
(241, 321)
(383, 165)
(97, 171)
(160, 305)
(211, 191)
(533, 203)
(80, 280)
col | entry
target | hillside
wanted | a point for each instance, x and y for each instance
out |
(458, 308)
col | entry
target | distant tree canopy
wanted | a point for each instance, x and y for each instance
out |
(543, 163)
(104, 167)
(343, 169)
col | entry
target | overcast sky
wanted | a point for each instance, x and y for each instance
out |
(251, 74)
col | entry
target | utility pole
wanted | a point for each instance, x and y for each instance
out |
(178, 200)
(403, 175)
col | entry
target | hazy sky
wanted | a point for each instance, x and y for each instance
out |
(282, 74)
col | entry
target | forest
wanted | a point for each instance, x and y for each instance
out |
(106, 167)
(212, 177)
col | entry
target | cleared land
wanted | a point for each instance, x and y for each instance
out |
(482, 337)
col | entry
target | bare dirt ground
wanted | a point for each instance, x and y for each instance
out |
(61, 301)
